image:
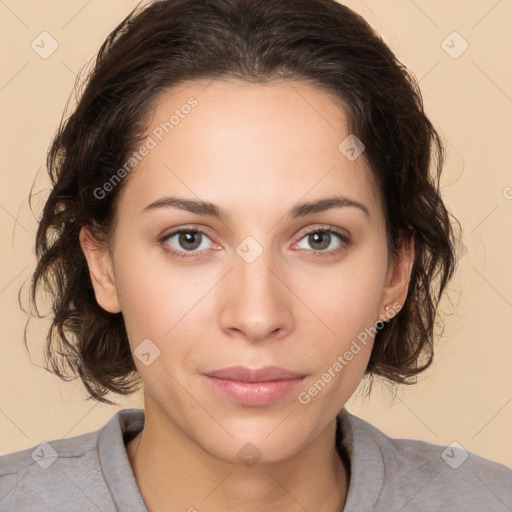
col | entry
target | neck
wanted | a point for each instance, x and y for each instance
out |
(174, 473)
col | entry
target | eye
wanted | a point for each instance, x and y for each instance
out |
(188, 241)
(322, 238)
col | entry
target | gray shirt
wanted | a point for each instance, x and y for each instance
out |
(92, 472)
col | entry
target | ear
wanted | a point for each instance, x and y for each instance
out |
(99, 261)
(398, 278)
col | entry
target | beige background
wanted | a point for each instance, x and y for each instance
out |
(467, 394)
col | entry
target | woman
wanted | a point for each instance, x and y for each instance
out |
(243, 220)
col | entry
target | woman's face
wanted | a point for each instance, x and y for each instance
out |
(255, 289)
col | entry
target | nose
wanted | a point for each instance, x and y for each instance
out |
(257, 303)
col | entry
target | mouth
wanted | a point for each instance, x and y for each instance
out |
(254, 387)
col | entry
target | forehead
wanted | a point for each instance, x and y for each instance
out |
(253, 144)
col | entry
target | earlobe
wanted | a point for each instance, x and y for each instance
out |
(99, 261)
(399, 276)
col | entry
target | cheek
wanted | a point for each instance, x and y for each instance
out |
(345, 301)
(341, 355)
(153, 295)
(163, 312)
(346, 297)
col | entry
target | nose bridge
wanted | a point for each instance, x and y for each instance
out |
(254, 271)
(257, 302)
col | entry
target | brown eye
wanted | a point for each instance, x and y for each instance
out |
(186, 242)
(319, 241)
(189, 240)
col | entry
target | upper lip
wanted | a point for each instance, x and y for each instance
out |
(244, 374)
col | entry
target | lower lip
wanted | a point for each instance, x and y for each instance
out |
(254, 393)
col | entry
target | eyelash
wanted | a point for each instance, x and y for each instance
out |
(345, 242)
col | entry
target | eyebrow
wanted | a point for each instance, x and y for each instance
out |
(209, 209)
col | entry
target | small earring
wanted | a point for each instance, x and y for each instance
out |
(386, 315)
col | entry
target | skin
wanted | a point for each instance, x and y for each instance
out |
(254, 150)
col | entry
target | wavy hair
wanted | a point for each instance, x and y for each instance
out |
(163, 43)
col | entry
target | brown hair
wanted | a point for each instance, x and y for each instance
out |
(167, 42)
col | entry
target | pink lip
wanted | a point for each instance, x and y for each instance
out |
(260, 386)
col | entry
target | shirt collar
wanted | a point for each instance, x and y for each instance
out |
(122, 427)
(367, 470)
(367, 473)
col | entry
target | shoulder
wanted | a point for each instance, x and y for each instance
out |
(46, 452)
(417, 475)
(59, 474)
